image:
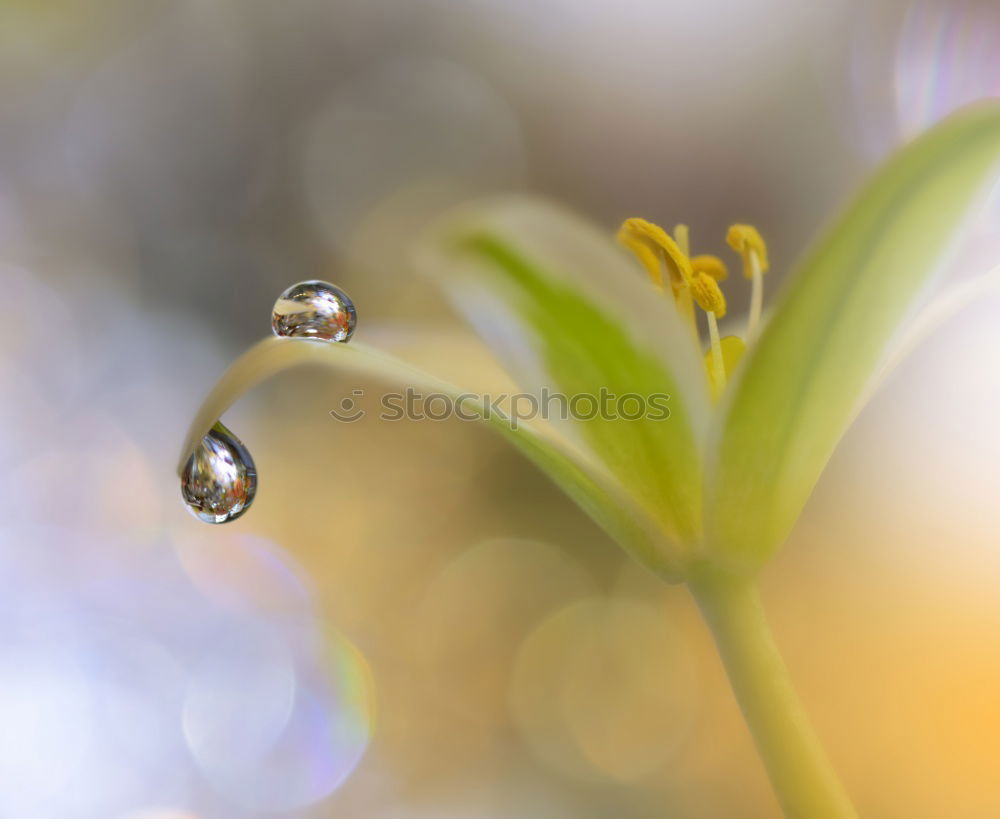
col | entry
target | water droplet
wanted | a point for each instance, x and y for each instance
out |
(220, 478)
(314, 309)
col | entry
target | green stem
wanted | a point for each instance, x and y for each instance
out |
(800, 773)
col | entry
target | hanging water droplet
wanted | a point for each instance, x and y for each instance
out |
(220, 479)
(314, 309)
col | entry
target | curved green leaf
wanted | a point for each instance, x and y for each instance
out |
(803, 378)
(567, 311)
(586, 482)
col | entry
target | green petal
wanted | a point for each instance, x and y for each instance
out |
(803, 379)
(586, 482)
(566, 310)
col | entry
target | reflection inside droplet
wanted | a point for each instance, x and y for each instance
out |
(314, 309)
(220, 479)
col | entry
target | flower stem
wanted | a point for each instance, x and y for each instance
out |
(800, 773)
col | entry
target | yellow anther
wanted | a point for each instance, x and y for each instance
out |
(712, 265)
(654, 239)
(747, 241)
(708, 295)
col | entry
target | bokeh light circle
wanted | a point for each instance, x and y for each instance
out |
(605, 689)
(276, 735)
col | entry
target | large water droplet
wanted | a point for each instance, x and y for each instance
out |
(314, 309)
(220, 478)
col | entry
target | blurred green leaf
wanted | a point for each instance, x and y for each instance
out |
(567, 310)
(802, 379)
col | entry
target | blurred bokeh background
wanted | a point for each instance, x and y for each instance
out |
(411, 622)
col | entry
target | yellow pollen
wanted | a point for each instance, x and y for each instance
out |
(696, 281)
(712, 265)
(655, 240)
(747, 241)
(708, 295)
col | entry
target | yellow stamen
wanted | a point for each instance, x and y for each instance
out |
(696, 281)
(657, 250)
(715, 349)
(660, 243)
(732, 348)
(747, 241)
(712, 265)
(708, 295)
(685, 300)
